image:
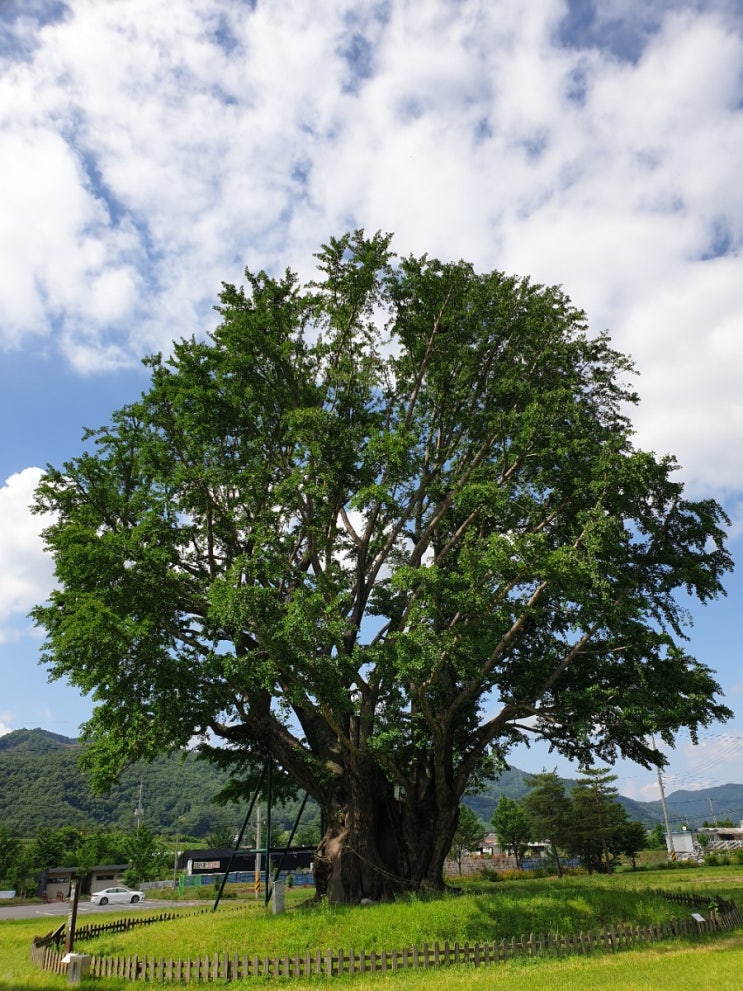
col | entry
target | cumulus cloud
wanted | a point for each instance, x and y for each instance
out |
(714, 761)
(26, 575)
(149, 157)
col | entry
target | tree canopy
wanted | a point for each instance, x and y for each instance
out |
(384, 526)
(513, 827)
(600, 829)
(548, 809)
(469, 834)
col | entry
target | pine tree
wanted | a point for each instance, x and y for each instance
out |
(598, 820)
(548, 808)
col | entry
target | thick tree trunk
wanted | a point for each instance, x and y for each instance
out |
(377, 846)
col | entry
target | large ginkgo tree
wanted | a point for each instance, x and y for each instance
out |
(382, 526)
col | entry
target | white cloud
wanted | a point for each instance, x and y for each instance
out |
(714, 761)
(149, 157)
(26, 575)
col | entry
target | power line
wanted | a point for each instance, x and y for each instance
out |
(730, 746)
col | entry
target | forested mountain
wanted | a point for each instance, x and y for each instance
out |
(511, 783)
(34, 741)
(42, 785)
(690, 808)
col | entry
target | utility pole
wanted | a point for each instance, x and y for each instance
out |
(669, 835)
(139, 811)
(178, 826)
(258, 852)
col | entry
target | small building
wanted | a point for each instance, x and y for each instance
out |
(723, 837)
(104, 877)
(489, 845)
(216, 861)
(682, 844)
(55, 883)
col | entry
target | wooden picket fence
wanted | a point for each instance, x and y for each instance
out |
(94, 929)
(46, 953)
(697, 900)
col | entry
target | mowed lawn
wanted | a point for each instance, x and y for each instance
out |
(484, 912)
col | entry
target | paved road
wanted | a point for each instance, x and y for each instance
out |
(59, 910)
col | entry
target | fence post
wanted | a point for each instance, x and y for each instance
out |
(278, 897)
(78, 967)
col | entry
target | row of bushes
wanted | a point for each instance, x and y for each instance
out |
(729, 859)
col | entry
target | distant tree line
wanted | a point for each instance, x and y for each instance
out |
(149, 856)
(22, 861)
(587, 823)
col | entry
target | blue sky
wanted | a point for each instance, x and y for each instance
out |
(146, 158)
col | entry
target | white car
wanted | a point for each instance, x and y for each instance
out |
(116, 895)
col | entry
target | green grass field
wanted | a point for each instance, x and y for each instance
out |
(483, 912)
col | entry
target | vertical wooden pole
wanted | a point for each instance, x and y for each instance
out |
(72, 915)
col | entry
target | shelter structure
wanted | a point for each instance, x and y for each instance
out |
(55, 882)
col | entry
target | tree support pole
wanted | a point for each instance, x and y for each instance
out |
(240, 834)
(269, 799)
(291, 837)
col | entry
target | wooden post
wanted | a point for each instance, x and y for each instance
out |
(72, 915)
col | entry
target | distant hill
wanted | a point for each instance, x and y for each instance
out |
(36, 741)
(710, 804)
(41, 785)
(511, 783)
(690, 808)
